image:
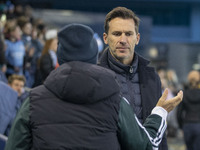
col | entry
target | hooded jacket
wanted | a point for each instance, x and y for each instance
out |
(188, 110)
(79, 107)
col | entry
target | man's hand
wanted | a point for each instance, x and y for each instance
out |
(169, 104)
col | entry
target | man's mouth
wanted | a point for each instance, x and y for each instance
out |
(122, 49)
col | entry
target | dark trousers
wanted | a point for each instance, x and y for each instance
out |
(192, 135)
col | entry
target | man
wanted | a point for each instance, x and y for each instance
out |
(17, 83)
(139, 83)
(80, 107)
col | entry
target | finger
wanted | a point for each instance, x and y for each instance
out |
(180, 93)
(177, 99)
(179, 96)
(164, 95)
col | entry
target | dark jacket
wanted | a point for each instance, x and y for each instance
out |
(189, 109)
(149, 83)
(46, 66)
(79, 107)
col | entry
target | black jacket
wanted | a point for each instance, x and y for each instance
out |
(93, 121)
(149, 81)
(189, 109)
(45, 66)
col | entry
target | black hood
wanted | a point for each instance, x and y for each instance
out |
(79, 82)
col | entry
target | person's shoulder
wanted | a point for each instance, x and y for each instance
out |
(88, 66)
(7, 88)
(141, 60)
(91, 70)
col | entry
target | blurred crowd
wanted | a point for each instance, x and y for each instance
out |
(170, 80)
(28, 54)
(28, 46)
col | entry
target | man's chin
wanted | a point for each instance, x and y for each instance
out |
(120, 58)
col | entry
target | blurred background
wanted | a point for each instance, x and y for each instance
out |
(170, 34)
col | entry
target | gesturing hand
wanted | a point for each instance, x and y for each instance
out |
(169, 104)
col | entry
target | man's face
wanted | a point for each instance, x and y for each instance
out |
(18, 86)
(122, 39)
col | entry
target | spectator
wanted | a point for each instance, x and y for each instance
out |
(48, 59)
(15, 50)
(31, 60)
(189, 112)
(26, 28)
(17, 83)
(29, 70)
(41, 27)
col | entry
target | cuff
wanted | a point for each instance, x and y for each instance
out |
(160, 111)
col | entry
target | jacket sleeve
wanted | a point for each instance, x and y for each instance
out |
(132, 135)
(163, 145)
(20, 134)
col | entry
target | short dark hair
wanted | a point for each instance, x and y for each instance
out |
(124, 13)
(16, 77)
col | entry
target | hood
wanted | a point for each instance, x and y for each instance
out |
(192, 95)
(79, 82)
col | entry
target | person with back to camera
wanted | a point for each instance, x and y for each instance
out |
(139, 83)
(79, 105)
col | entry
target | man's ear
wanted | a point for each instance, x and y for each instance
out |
(105, 38)
(138, 38)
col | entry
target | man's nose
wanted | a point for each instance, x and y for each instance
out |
(123, 39)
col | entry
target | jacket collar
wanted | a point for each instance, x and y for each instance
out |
(108, 61)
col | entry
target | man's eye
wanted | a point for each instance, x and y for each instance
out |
(117, 33)
(128, 34)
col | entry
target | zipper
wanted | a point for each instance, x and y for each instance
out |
(131, 69)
